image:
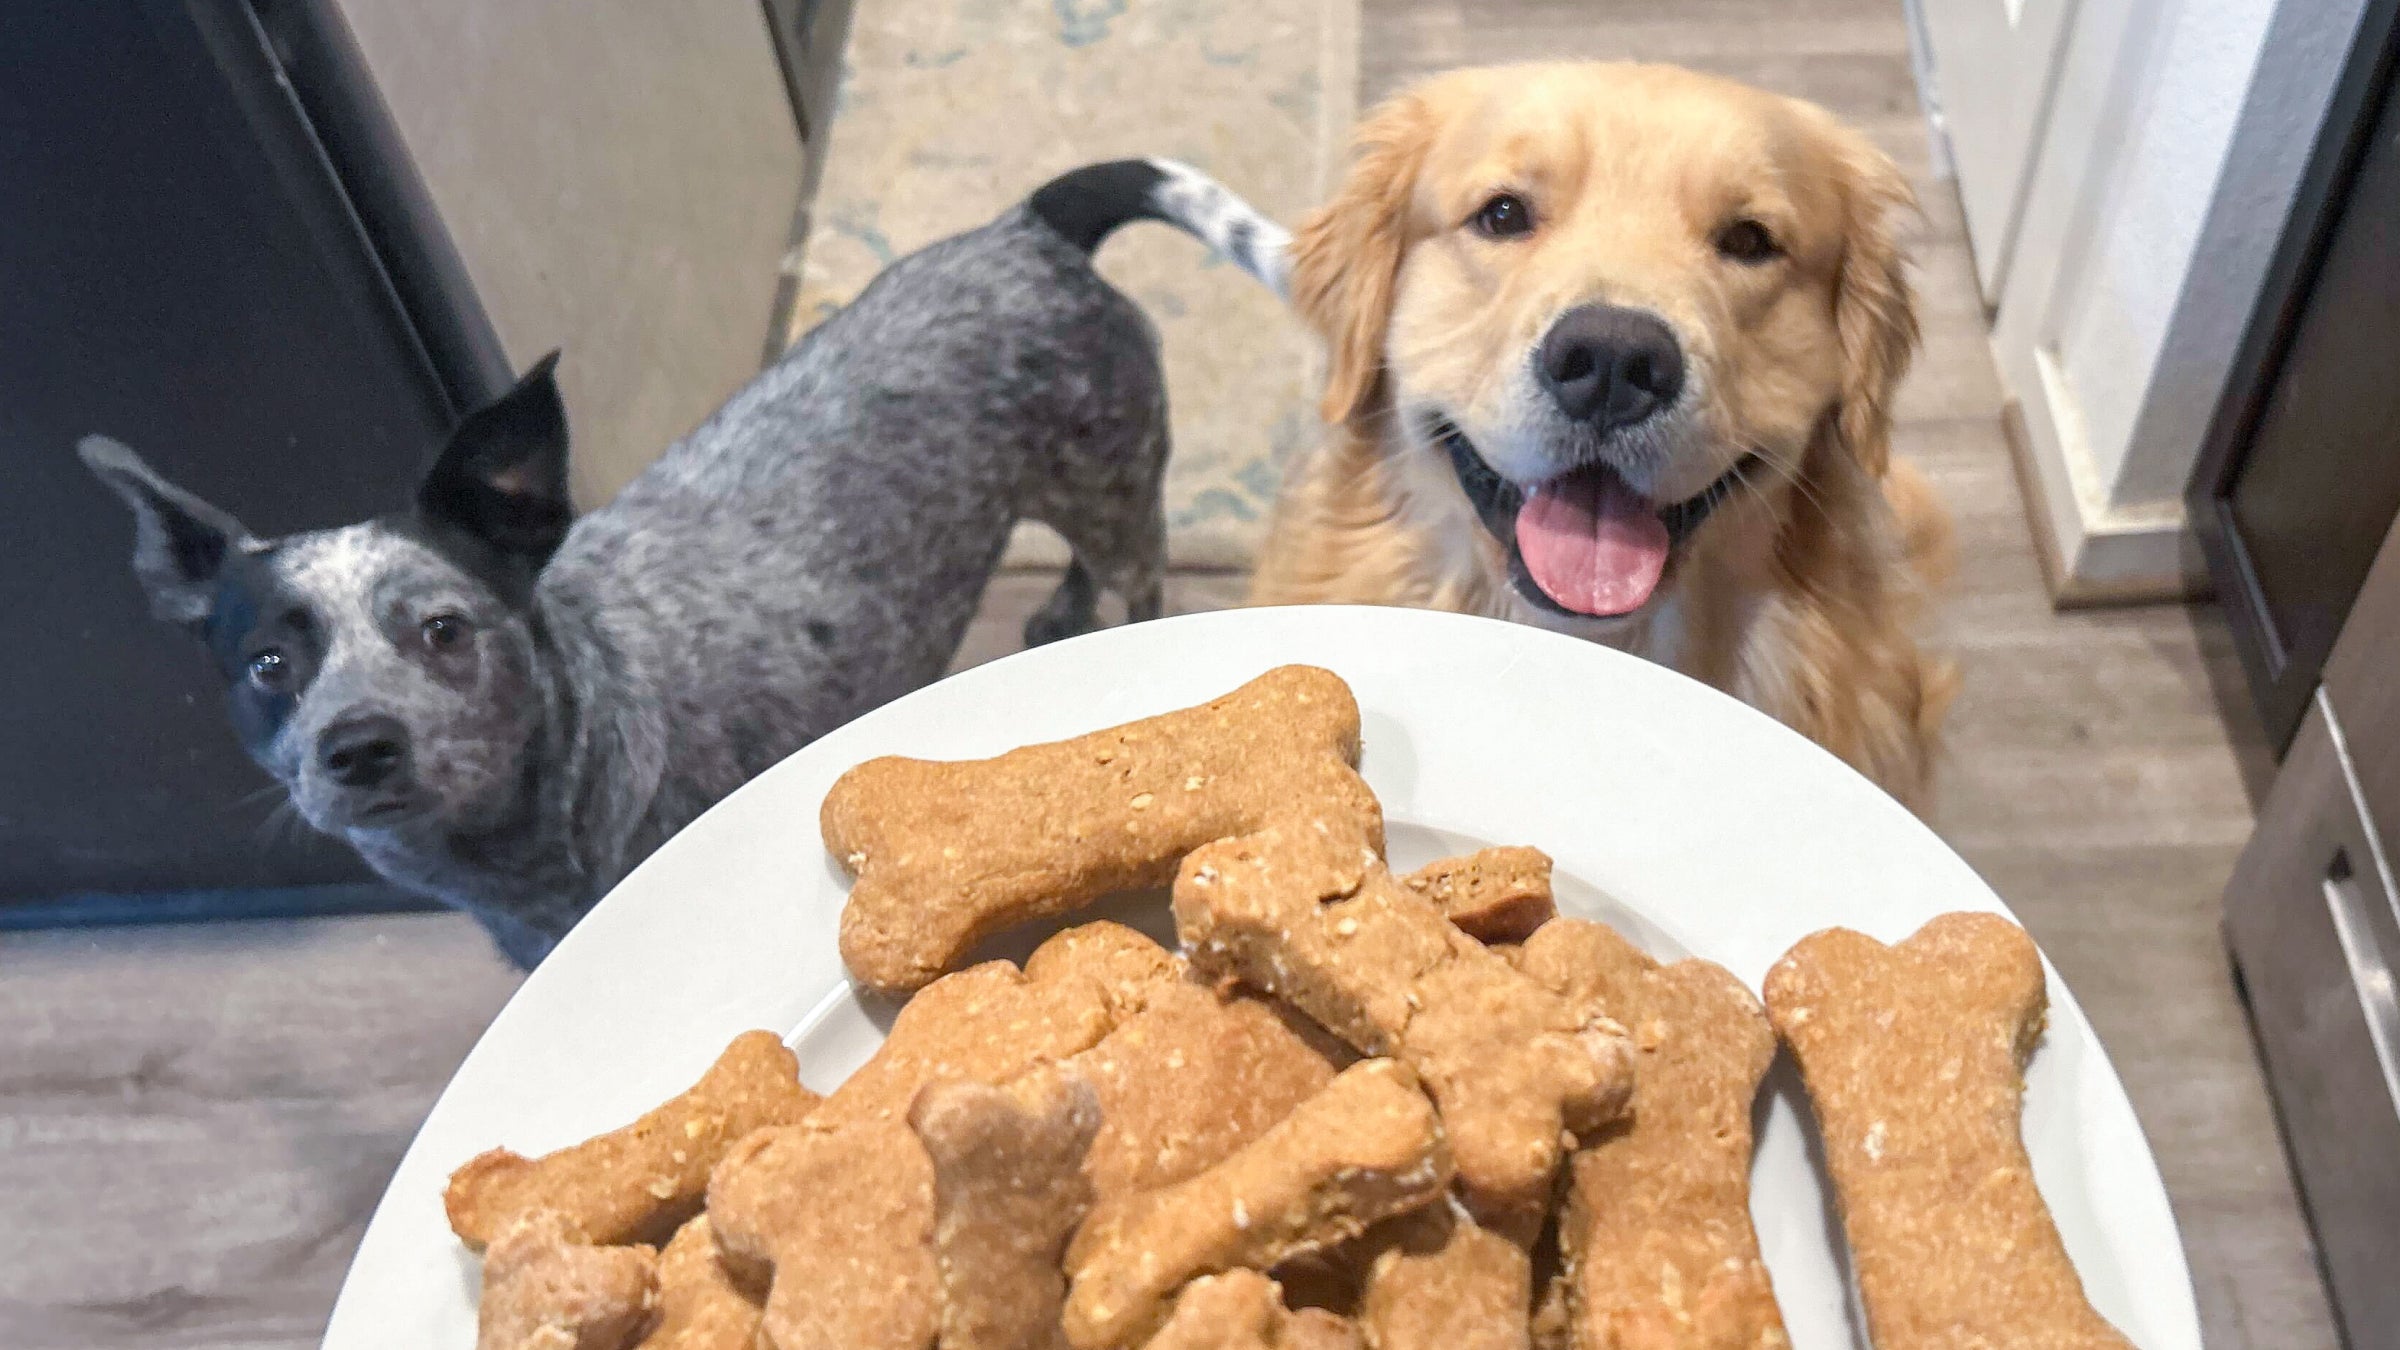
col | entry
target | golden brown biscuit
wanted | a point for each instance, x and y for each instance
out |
(1494, 895)
(1244, 1310)
(1191, 1078)
(543, 1289)
(838, 1210)
(700, 1307)
(837, 1222)
(1008, 1191)
(1656, 1238)
(947, 853)
(1365, 1148)
(1439, 1282)
(988, 1023)
(1914, 1058)
(644, 1180)
(1304, 916)
(1129, 966)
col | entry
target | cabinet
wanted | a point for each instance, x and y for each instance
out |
(186, 271)
(2301, 475)
(277, 246)
(2294, 500)
(2310, 917)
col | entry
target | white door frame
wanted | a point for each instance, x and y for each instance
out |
(2177, 133)
(1995, 64)
(2094, 549)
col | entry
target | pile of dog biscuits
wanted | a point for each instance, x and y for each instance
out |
(1356, 1111)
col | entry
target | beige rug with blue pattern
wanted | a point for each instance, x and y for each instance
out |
(952, 109)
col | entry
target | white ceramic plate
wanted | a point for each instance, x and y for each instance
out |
(1698, 825)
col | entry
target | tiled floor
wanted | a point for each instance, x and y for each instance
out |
(195, 1122)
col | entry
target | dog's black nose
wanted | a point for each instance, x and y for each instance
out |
(1609, 366)
(364, 752)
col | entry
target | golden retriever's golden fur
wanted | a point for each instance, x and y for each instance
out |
(1797, 593)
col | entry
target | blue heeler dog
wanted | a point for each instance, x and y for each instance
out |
(505, 708)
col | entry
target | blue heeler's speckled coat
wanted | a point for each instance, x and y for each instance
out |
(507, 711)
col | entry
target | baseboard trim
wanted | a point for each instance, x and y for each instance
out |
(2145, 559)
(2046, 549)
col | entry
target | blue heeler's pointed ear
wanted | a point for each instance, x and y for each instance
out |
(502, 479)
(180, 543)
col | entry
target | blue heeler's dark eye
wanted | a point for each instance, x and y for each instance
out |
(268, 669)
(1504, 217)
(443, 632)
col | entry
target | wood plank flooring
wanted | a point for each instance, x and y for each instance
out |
(194, 1123)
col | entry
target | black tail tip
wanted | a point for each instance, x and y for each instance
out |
(1083, 205)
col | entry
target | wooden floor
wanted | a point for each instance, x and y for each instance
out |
(194, 1123)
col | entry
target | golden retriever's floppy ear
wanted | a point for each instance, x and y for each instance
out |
(1875, 310)
(1346, 254)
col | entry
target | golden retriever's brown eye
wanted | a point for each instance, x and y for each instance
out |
(1505, 216)
(1747, 241)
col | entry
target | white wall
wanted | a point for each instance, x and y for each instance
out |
(2303, 56)
(2177, 133)
(2143, 237)
(619, 178)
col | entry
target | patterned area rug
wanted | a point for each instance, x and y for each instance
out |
(950, 110)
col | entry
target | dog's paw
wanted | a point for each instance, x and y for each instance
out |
(1045, 628)
(1072, 609)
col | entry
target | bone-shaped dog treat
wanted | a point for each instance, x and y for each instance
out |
(948, 853)
(700, 1307)
(1494, 895)
(1191, 1078)
(1244, 1310)
(1365, 1148)
(1439, 1282)
(1914, 1058)
(1008, 1191)
(1656, 1237)
(838, 1210)
(643, 1180)
(988, 1023)
(1128, 966)
(1511, 1064)
(837, 1219)
(543, 1289)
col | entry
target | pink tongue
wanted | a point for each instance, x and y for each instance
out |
(1591, 543)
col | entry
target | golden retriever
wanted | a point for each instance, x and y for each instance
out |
(1612, 350)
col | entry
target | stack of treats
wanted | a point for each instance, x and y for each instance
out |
(1355, 1111)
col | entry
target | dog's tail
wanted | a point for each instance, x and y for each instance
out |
(1084, 205)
